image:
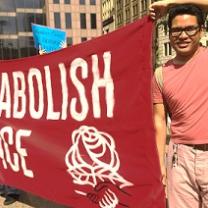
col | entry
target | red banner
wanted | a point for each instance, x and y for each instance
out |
(76, 125)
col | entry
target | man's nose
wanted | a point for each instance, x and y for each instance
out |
(183, 34)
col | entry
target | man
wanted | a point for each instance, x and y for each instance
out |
(184, 95)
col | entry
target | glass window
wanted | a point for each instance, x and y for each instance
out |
(24, 21)
(40, 19)
(144, 5)
(67, 2)
(68, 20)
(83, 39)
(39, 3)
(83, 21)
(8, 25)
(128, 13)
(135, 10)
(168, 50)
(206, 25)
(92, 2)
(93, 21)
(8, 49)
(7, 5)
(56, 1)
(166, 28)
(57, 20)
(81, 2)
(30, 3)
(26, 45)
(1, 50)
(69, 41)
(20, 3)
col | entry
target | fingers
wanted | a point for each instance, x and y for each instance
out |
(63, 44)
(158, 9)
(109, 200)
(154, 12)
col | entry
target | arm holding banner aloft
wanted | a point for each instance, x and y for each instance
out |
(41, 51)
(159, 9)
(160, 131)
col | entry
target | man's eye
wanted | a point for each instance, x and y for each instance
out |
(190, 28)
(176, 29)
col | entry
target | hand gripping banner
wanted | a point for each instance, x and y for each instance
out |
(76, 125)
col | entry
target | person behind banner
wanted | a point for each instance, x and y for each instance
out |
(184, 95)
(43, 51)
(11, 194)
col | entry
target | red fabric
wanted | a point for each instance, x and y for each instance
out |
(54, 144)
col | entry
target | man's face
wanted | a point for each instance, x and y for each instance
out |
(185, 34)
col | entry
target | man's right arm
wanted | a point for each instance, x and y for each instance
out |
(159, 8)
(160, 130)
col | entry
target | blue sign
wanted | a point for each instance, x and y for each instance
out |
(48, 39)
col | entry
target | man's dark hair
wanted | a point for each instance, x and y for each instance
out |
(190, 9)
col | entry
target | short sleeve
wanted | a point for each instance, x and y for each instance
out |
(156, 92)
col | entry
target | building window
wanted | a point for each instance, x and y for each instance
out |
(81, 2)
(68, 20)
(69, 41)
(7, 6)
(83, 39)
(83, 21)
(20, 4)
(26, 46)
(8, 49)
(165, 28)
(56, 1)
(127, 1)
(8, 25)
(92, 2)
(144, 5)
(135, 10)
(27, 4)
(168, 50)
(93, 21)
(119, 4)
(127, 14)
(120, 18)
(206, 25)
(24, 21)
(67, 2)
(57, 20)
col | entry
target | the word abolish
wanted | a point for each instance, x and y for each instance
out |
(40, 97)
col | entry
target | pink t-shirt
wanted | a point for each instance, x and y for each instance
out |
(185, 90)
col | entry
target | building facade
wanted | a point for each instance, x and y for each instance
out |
(108, 16)
(128, 11)
(16, 17)
(81, 19)
(118, 13)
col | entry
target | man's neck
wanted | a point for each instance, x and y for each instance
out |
(180, 60)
